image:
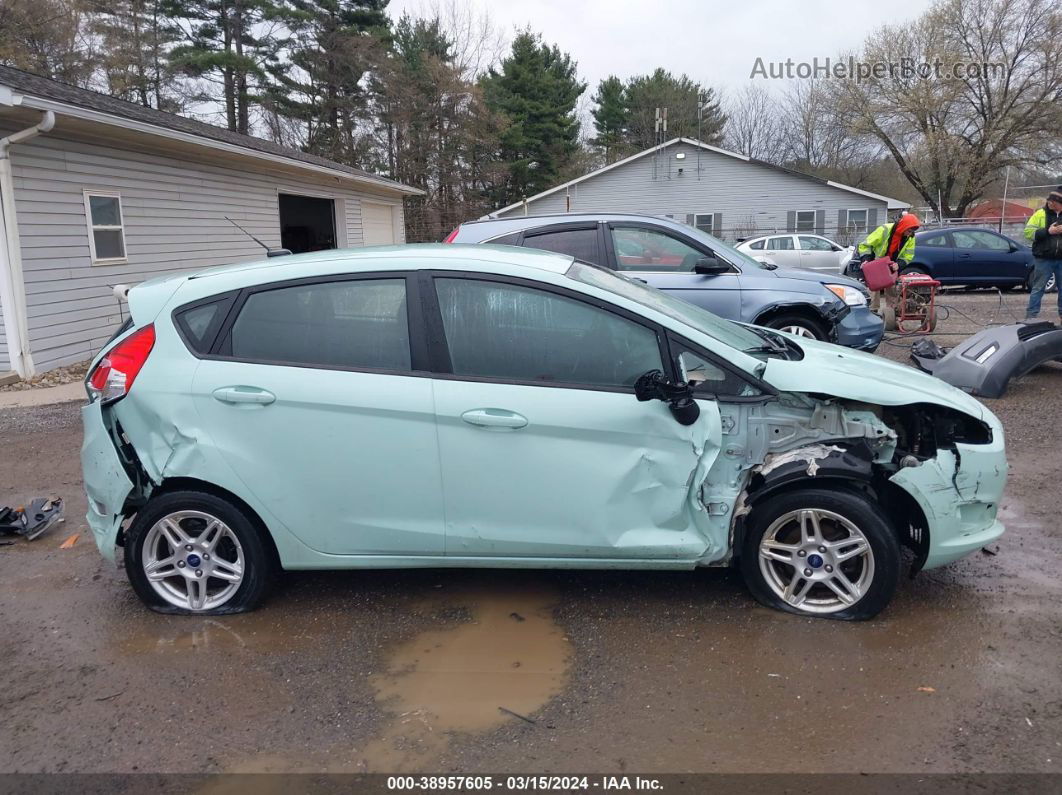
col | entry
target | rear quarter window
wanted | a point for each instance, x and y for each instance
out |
(199, 324)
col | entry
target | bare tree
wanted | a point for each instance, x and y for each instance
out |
(753, 124)
(996, 102)
(49, 38)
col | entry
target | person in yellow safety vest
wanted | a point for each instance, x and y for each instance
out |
(1044, 231)
(895, 240)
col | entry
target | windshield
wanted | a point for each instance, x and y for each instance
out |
(725, 331)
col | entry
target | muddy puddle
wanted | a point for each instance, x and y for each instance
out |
(502, 660)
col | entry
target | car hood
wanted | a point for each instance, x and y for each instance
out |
(843, 373)
(812, 276)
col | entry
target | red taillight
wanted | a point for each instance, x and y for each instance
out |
(113, 375)
(450, 237)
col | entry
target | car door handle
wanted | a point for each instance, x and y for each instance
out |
(494, 418)
(244, 394)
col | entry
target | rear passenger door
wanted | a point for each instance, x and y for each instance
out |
(317, 394)
(782, 250)
(666, 261)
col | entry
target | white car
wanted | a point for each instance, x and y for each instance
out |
(801, 250)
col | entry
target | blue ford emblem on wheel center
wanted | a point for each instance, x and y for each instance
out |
(813, 560)
(194, 560)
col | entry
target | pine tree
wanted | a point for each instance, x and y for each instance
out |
(231, 44)
(438, 134)
(610, 117)
(535, 89)
(334, 44)
(683, 98)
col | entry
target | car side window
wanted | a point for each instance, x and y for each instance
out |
(199, 325)
(505, 240)
(579, 243)
(709, 378)
(935, 241)
(517, 333)
(973, 238)
(649, 250)
(757, 246)
(780, 244)
(359, 324)
(814, 244)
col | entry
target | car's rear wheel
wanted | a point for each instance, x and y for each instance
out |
(821, 553)
(798, 325)
(194, 552)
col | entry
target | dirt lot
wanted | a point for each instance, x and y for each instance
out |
(653, 672)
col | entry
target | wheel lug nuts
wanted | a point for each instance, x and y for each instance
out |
(206, 556)
(180, 564)
(829, 568)
(187, 547)
(822, 549)
(198, 572)
(807, 572)
(801, 553)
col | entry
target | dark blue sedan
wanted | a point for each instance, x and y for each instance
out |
(971, 257)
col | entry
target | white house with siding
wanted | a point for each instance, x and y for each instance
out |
(95, 191)
(724, 193)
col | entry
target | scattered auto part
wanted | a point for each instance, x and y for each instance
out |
(33, 521)
(985, 363)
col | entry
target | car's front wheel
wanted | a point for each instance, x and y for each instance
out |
(798, 325)
(822, 553)
(194, 552)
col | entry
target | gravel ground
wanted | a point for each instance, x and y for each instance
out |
(56, 377)
(614, 671)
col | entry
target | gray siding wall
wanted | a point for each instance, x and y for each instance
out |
(5, 361)
(747, 198)
(174, 220)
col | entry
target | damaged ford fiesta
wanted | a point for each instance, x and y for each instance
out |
(453, 406)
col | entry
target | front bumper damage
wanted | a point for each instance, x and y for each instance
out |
(959, 493)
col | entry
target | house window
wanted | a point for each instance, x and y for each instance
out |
(106, 234)
(805, 221)
(857, 221)
(704, 222)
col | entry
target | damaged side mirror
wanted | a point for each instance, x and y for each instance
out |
(654, 385)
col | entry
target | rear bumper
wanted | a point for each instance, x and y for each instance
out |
(860, 329)
(106, 484)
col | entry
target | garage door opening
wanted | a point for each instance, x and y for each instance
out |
(307, 223)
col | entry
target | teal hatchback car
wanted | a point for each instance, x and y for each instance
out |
(450, 406)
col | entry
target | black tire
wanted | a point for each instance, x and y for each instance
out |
(254, 553)
(813, 328)
(862, 513)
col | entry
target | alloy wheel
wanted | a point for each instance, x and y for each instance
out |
(798, 331)
(193, 560)
(816, 560)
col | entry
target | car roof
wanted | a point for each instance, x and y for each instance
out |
(504, 260)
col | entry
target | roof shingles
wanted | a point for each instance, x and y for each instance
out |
(43, 88)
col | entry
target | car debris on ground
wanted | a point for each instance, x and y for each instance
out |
(34, 521)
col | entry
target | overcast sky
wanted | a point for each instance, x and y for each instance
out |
(715, 43)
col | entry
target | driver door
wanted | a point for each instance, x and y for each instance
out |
(666, 261)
